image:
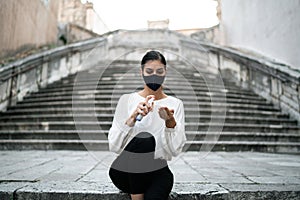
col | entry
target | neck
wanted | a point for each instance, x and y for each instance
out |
(159, 94)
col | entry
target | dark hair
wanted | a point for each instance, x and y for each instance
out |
(153, 55)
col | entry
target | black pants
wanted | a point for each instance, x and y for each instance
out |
(135, 171)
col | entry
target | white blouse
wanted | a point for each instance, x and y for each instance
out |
(169, 141)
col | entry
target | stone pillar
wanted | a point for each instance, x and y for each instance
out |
(89, 15)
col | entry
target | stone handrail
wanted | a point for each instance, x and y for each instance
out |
(37, 71)
(276, 82)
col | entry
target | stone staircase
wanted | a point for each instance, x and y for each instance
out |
(45, 119)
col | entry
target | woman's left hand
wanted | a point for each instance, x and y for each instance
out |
(165, 113)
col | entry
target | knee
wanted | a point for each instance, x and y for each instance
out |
(143, 142)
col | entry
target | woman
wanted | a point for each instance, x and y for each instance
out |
(145, 145)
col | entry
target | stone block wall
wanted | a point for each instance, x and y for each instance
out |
(27, 24)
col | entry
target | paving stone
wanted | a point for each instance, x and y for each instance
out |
(197, 188)
(99, 176)
(212, 172)
(259, 171)
(260, 187)
(275, 180)
(84, 175)
(22, 165)
(228, 179)
(189, 177)
(289, 172)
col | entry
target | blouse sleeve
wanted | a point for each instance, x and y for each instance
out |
(119, 131)
(174, 139)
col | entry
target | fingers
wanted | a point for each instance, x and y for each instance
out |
(165, 113)
(168, 111)
(149, 105)
(149, 97)
(142, 109)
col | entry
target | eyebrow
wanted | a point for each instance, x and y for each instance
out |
(152, 69)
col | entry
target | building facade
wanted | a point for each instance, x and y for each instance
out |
(269, 27)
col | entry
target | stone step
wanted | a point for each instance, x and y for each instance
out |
(279, 147)
(102, 145)
(129, 83)
(132, 78)
(120, 89)
(106, 103)
(125, 76)
(114, 101)
(190, 104)
(190, 126)
(120, 92)
(191, 135)
(54, 135)
(135, 69)
(242, 136)
(134, 84)
(173, 69)
(110, 110)
(30, 99)
(109, 117)
(135, 77)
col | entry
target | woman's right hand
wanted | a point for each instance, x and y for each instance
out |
(142, 108)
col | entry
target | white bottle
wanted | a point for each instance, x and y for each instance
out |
(140, 116)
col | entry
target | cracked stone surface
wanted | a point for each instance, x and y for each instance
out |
(84, 175)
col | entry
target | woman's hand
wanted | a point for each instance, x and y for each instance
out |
(143, 108)
(167, 114)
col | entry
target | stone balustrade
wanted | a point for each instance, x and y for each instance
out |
(37, 71)
(276, 82)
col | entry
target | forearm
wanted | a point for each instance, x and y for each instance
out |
(170, 123)
(131, 121)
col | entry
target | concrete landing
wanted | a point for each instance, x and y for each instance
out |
(84, 175)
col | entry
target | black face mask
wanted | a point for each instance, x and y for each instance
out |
(154, 82)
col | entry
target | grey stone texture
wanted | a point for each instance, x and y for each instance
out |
(198, 175)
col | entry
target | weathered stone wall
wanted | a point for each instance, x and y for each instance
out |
(208, 35)
(269, 27)
(76, 33)
(26, 24)
(72, 11)
(76, 21)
